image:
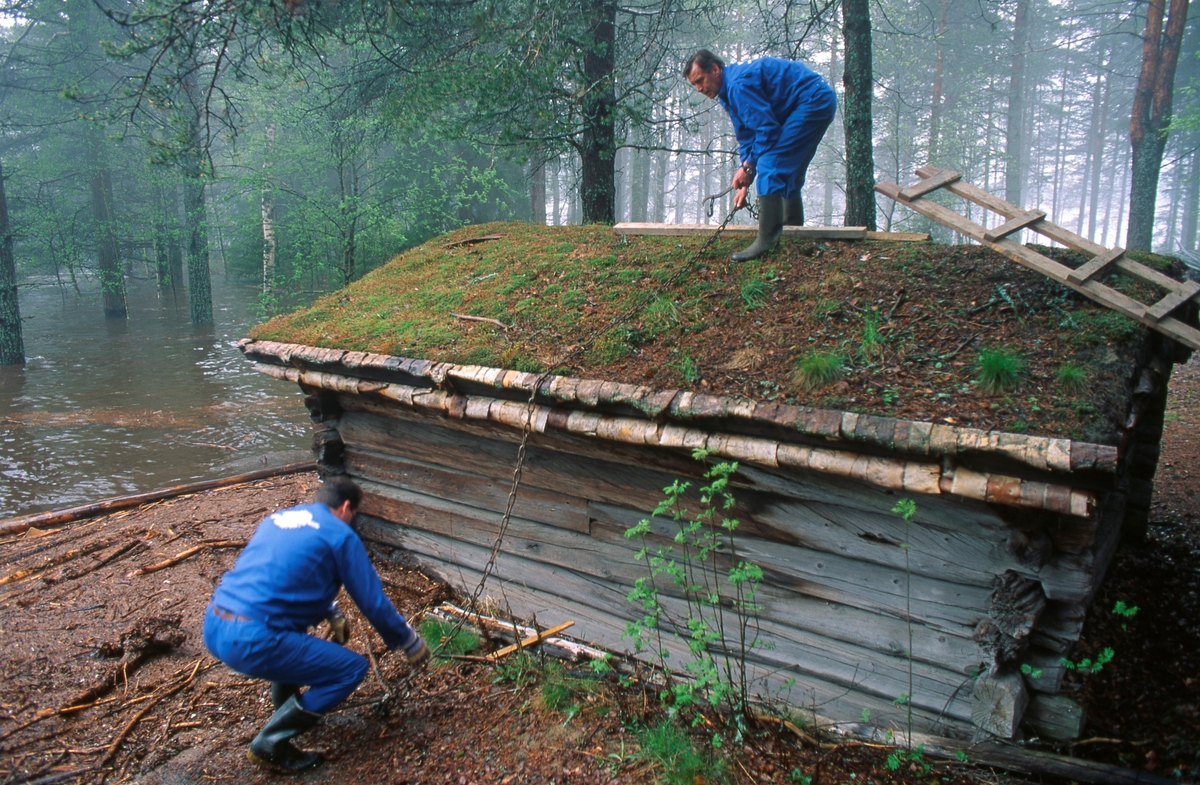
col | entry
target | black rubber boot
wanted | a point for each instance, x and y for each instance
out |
(793, 212)
(281, 692)
(770, 226)
(272, 747)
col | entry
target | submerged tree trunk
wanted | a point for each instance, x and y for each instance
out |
(597, 148)
(163, 237)
(1014, 149)
(1151, 115)
(112, 280)
(12, 344)
(856, 113)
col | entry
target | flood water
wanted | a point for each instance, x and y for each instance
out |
(107, 407)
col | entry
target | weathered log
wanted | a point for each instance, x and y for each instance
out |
(998, 703)
(42, 520)
(171, 562)
(1056, 716)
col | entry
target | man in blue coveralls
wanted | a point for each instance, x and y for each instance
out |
(780, 110)
(284, 582)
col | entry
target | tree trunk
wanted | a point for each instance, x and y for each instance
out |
(935, 111)
(832, 162)
(1098, 136)
(1015, 157)
(12, 344)
(1151, 115)
(856, 113)
(267, 204)
(537, 188)
(1191, 205)
(598, 140)
(112, 280)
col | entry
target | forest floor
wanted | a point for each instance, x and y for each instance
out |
(80, 627)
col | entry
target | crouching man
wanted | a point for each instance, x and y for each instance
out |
(284, 582)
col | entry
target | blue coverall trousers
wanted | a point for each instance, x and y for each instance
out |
(331, 672)
(782, 169)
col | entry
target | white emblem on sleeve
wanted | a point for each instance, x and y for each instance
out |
(294, 519)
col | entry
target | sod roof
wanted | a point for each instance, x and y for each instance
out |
(954, 334)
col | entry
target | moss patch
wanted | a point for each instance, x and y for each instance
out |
(741, 329)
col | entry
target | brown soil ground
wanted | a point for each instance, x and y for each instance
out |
(158, 709)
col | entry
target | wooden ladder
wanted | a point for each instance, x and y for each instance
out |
(1083, 279)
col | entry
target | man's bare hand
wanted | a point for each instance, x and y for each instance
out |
(742, 179)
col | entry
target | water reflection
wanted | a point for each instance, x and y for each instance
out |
(106, 406)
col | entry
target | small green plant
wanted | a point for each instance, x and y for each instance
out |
(441, 634)
(1126, 612)
(960, 756)
(1071, 378)
(915, 756)
(872, 342)
(755, 292)
(1087, 665)
(999, 369)
(1030, 671)
(818, 369)
(669, 746)
(799, 777)
(562, 690)
(688, 368)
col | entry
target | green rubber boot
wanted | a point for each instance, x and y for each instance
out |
(793, 212)
(272, 747)
(770, 226)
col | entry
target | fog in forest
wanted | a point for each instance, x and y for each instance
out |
(146, 147)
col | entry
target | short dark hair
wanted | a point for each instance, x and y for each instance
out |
(705, 60)
(337, 490)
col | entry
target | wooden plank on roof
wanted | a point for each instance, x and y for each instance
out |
(1160, 309)
(1013, 225)
(939, 179)
(901, 237)
(693, 230)
(1095, 266)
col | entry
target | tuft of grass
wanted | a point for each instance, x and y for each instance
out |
(999, 369)
(688, 368)
(1071, 377)
(754, 292)
(563, 691)
(818, 369)
(669, 746)
(434, 631)
(872, 342)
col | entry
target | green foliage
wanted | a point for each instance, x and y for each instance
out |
(1071, 378)
(1030, 671)
(906, 509)
(999, 369)
(799, 777)
(817, 369)
(699, 557)
(871, 345)
(1125, 612)
(670, 747)
(437, 632)
(564, 691)
(914, 756)
(1087, 665)
(687, 368)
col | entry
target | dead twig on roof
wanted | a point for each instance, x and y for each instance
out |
(467, 318)
(470, 240)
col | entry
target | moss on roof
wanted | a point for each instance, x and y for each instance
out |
(883, 327)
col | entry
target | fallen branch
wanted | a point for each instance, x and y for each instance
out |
(532, 640)
(162, 565)
(467, 318)
(962, 345)
(112, 748)
(470, 240)
(59, 517)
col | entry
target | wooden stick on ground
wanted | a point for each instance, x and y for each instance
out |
(470, 240)
(532, 640)
(112, 748)
(162, 565)
(467, 318)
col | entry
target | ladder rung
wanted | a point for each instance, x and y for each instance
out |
(944, 177)
(1013, 225)
(1185, 292)
(1097, 265)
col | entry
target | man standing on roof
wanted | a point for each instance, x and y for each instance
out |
(284, 582)
(780, 110)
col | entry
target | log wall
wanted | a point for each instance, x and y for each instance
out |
(990, 580)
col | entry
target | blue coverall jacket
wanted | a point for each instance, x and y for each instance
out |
(780, 110)
(284, 582)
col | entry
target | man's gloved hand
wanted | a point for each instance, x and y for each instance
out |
(417, 653)
(339, 627)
